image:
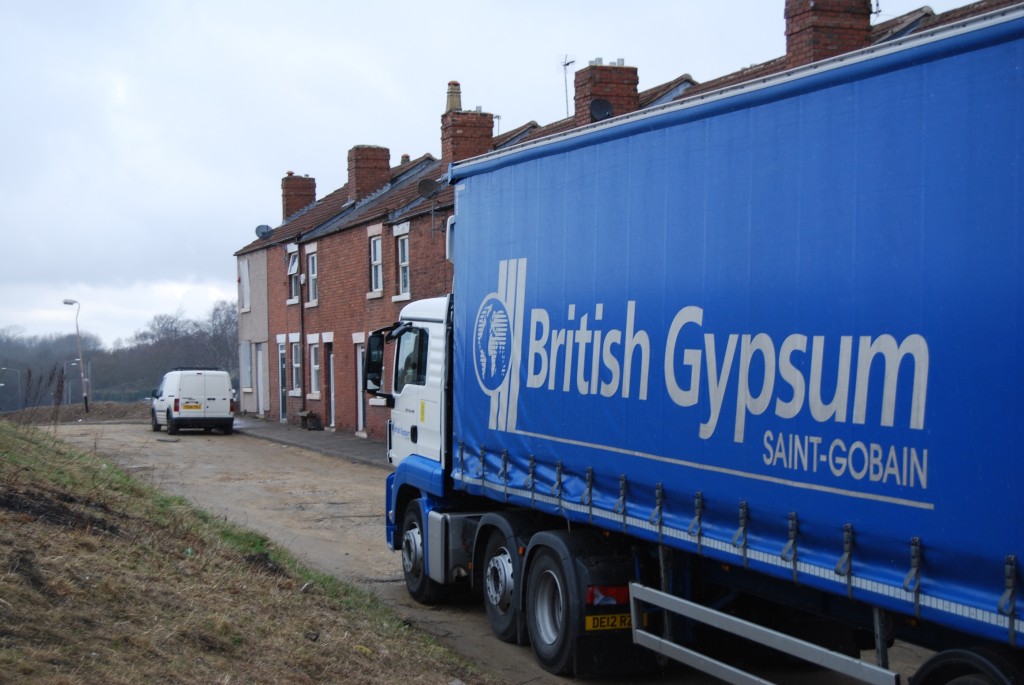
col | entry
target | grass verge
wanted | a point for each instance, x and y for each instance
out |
(104, 579)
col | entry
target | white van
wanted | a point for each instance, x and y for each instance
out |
(194, 398)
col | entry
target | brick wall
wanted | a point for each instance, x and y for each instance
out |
(344, 309)
(819, 29)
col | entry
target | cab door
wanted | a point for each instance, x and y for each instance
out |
(416, 415)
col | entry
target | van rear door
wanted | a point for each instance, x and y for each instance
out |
(217, 395)
(192, 396)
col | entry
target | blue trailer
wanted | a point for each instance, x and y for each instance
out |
(752, 355)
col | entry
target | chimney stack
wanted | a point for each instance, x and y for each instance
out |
(819, 29)
(614, 83)
(297, 193)
(369, 170)
(454, 103)
(464, 134)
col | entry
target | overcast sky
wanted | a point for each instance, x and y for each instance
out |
(143, 142)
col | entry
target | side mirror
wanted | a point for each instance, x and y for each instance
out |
(373, 366)
(156, 393)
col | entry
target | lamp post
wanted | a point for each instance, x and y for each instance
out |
(18, 403)
(81, 361)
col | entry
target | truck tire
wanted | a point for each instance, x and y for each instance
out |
(228, 427)
(172, 425)
(501, 570)
(155, 425)
(420, 586)
(551, 611)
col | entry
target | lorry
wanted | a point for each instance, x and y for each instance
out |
(741, 371)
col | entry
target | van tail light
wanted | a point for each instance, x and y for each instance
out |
(232, 406)
(176, 408)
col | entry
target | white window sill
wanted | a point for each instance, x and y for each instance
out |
(294, 393)
(374, 294)
(313, 396)
(244, 310)
(378, 402)
(401, 298)
(311, 303)
(246, 389)
(293, 300)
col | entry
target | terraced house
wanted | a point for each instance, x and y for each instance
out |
(311, 289)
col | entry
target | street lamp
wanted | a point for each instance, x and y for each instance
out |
(81, 360)
(17, 371)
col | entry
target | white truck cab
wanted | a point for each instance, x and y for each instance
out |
(416, 400)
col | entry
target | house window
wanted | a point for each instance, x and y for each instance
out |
(245, 370)
(311, 266)
(243, 285)
(293, 277)
(314, 368)
(403, 265)
(296, 366)
(376, 274)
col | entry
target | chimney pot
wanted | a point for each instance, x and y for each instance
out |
(454, 103)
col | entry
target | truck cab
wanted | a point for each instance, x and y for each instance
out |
(418, 378)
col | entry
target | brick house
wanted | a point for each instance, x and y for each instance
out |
(312, 289)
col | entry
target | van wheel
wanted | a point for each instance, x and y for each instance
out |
(155, 424)
(228, 428)
(172, 425)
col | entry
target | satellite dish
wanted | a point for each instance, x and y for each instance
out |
(600, 109)
(427, 188)
(262, 231)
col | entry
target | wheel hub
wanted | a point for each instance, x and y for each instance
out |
(412, 551)
(498, 580)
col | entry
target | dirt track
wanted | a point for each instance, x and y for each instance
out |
(329, 512)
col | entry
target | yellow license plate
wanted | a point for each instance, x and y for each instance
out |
(609, 622)
(191, 406)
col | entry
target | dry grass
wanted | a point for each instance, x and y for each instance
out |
(105, 580)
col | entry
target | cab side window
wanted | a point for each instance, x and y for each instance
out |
(411, 366)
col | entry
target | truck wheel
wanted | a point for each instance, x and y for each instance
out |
(155, 424)
(172, 425)
(501, 568)
(417, 582)
(228, 428)
(550, 612)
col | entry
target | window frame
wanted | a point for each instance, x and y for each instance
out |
(294, 286)
(312, 288)
(376, 265)
(402, 258)
(296, 352)
(314, 370)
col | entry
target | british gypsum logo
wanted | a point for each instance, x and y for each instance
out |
(497, 338)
